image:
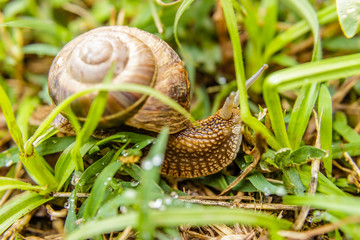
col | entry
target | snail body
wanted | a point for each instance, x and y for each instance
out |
(142, 58)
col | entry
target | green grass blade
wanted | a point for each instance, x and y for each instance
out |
(41, 49)
(183, 7)
(107, 87)
(353, 149)
(98, 190)
(56, 31)
(307, 11)
(325, 185)
(65, 166)
(39, 170)
(11, 183)
(348, 12)
(240, 76)
(326, 15)
(347, 132)
(14, 129)
(342, 204)
(89, 176)
(49, 146)
(239, 65)
(325, 120)
(23, 115)
(305, 102)
(18, 207)
(300, 75)
(300, 115)
(148, 187)
(95, 113)
(178, 216)
(260, 182)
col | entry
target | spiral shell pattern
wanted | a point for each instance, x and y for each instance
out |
(139, 58)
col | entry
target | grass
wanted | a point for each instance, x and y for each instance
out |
(302, 113)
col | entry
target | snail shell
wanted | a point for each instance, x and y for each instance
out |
(140, 58)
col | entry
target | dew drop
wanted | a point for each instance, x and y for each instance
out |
(267, 191)
(157, 160)
(67, 205)
(123, 209)
(350, 10)
(168, 201)
(8, 163)
(156, 204)
(147, 165)
(280, 191)
(134, 183)
(174, 195)
(221, 80)
(130, 194)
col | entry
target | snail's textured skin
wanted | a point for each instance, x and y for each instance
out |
(193, 150)
(204, 148)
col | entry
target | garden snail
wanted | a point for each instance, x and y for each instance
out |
(142, 58)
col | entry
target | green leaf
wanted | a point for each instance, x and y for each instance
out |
(253, 122)
(346, 132)
(325, 185)
(183, 215)
(65, 166)
(123, 137)
(325, 120)
(58, 32)
(11, 183)
(148, 187)
(353, 149)
(41, 49)
(14, 129)
(300, 75)
(292, 179)
(49, 146)
(348, 12)
(183, 7)
(107, 87)
(342, 204)
(98, 190)
(260, 182)
(300, 115)
(88, 177)
(18, 207)
(94, 115)
(325, 15)
(304, 153)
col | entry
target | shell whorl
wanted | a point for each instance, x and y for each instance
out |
(139, 57)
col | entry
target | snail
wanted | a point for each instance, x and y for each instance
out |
(193, 150)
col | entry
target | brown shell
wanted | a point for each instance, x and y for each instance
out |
(140, 58)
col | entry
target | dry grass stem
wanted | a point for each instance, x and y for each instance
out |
(319, 230)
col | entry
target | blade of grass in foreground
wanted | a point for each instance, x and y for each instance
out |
(246, 116)
(11, 183)
(18, 207)
(33, 162)
(148, 187)
(107, 87)
(325, 120)
(94, 115)
(342, 204)
(183, 215)
(98, 190)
